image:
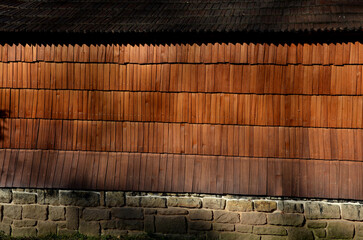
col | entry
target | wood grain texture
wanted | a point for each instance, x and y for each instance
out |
(185, 173)
(233, 109)
(251, 53)
(180, 138)
(238, 118)
(182, 77)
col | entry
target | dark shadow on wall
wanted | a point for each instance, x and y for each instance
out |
(3, 115)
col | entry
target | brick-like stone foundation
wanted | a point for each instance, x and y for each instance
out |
(27, 212)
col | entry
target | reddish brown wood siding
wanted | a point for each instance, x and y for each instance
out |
(253, 119)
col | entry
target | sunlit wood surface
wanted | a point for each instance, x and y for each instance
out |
(241, 118)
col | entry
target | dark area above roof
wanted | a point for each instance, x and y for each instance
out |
(180, 16)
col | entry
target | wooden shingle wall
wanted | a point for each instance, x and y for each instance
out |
(251, 119)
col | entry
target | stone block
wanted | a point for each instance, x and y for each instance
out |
(114, 232)
(135, 234)
(223, 227)
(132, 224)
(133, 201)
(5, 195)
(271, 237)
(111, 224)
(200, 214)
(150, 211)
(172, 211)
(72, 218)
(253, 218)
(340, 229)
(214, 203)
(79, 198)
(320, 233)
(243, 228)
(358, 229)
(285, 219)
(24, 197)
(115, 199)
(61, 224)
(7, 220)
(265, 206)
(195, 234)
(211, 235)
(226, 217)
(239, 205)
(238, 236)
(315, 210)
(95, 214)
(5, 228)
(127, 213)
(102, 199)
(352, 212)
(300, 234)
(188, 202)
(56, 213)
(269, 230)
(49, 197)
(46, 228)
(200, 225)
(153, 202)
(37, 212)
(170, 224)
(12, 211)
(24, 223)
(290, 207)
(89, 228)
(23, 232)
(66, 232)
(149, 224)
(316, 224)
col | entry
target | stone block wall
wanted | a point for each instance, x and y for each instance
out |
(27, 212)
